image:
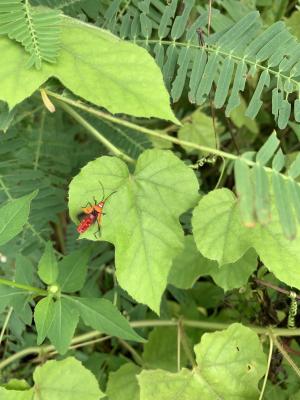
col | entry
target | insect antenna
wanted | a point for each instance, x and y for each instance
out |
(103, 194)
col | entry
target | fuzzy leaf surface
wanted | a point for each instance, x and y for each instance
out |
(141, 218)
(95, 65)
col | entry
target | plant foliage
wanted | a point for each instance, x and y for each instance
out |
(37, 30)
(149, 228)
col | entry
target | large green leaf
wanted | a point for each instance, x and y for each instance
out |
(229, 366)
(123, 384)
(190, 265)
(141, 218)
(56, 380)
(67, 380)
(102, 315)
(221, 236)
(95, 65)
(13, 216)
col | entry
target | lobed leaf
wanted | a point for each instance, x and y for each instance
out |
(145, 229)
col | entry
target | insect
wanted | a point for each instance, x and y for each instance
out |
(93, 213)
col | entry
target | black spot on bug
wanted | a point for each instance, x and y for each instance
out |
(237, 348)
(249, 367)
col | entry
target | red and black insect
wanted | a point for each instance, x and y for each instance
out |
(93, 213)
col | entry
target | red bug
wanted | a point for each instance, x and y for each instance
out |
(93, 213)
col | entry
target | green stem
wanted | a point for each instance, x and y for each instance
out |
(7, 282)
(188, 352)
(268, 368)
(207, 325)
(135, 355)
(83, 122)
(285, 354)
(6, 321)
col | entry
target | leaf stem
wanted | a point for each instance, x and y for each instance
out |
(7, 282)
(86, 337)
(285, 354)
(185, 345)
(83, 122)
(268, 368)
(6, 321)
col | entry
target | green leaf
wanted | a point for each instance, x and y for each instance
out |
(63, 325)
(236, 275)
(200, 130)
(161, 349)
(43, 315)
(233, 357)
(72, 271)
(47, 268)
(244, 188)
(102, 315)
(145, 231)
(66, 379)
(9, 295)
(119, 76)
(123, 384)
(36, 29)
(190, 265)
(284, 205)
(13, 216)
(217, 225)
(268, 149)
(24, 270)
(262, 196)
(16, 394)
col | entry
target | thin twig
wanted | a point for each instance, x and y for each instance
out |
(274, 287)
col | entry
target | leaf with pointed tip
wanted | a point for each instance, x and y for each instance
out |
(43, 315)
(47, 268)
(120, 76)
(64, 321)
(13, 216)
(102, 315)
(145, 231)
(72, 270)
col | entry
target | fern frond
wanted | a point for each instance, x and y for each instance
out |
(37, 30)
(257, 184)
